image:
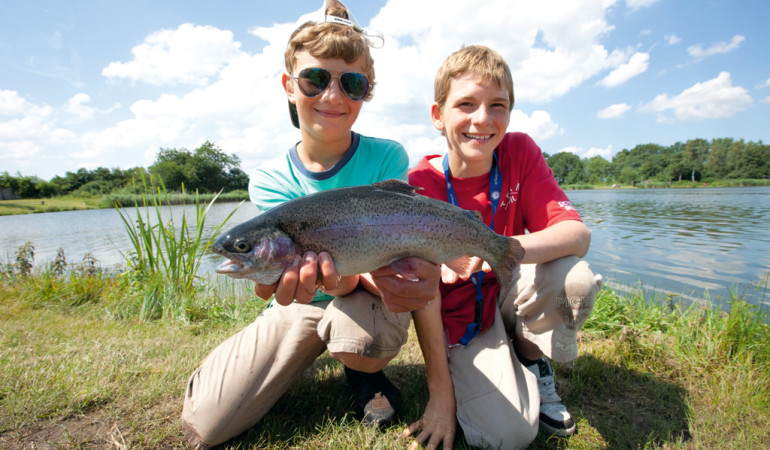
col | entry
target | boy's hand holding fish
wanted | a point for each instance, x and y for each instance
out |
(317, 271)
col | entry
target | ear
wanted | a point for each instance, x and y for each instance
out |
(286, 81)
(437, 117)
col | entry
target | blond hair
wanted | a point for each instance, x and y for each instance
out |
(477, 60)
(331, 40)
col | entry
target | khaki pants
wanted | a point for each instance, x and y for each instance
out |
(242, 378)
(498, 402)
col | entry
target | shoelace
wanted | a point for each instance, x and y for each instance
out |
(548, 390)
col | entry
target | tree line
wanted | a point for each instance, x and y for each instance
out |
(207, 169)
(694, 160)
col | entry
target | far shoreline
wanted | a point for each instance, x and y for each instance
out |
(68, 203)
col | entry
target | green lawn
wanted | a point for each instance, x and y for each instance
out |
(30, 205)
(79, 369)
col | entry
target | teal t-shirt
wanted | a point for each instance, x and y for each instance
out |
(367, 161)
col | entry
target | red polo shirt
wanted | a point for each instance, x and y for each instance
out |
(530, 200)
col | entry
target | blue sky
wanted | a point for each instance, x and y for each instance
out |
(109, 83)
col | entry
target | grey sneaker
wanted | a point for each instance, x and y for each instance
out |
(554, 417)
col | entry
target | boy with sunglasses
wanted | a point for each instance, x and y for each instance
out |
(362, 320)
(498, 383)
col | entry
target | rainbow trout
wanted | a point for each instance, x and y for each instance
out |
(364, 228)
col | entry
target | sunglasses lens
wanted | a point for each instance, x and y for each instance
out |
(313, 81)
(355, 85)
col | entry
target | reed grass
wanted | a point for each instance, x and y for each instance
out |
(166, 255)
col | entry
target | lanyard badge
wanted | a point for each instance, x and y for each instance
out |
(495, 187)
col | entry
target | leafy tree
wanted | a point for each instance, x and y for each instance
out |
(237, 179)
(695, 154)
(207, 169)
(567, 167)
(716, 165)
(597, 170)
(752, 161)
(679, 168)
(628, 175)
(171, 166)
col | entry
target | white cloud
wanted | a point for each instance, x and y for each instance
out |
(765, 100)
(76, 106)
(605, 153)
(243, 112)
(712, 99)
(32, 130)
(637, 64)
(765, 84)
(613, 111)
(697, 51)
(11, 103)
(637, 4)
(557, 46)
(190, 54)
(672, 39)
(539, 125)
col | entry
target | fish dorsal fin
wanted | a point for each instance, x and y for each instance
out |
(397, 186)
(475, 214)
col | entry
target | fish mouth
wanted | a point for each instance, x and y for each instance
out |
(229, 266)
(233, 268)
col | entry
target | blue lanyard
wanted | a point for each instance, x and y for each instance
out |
(495, 187)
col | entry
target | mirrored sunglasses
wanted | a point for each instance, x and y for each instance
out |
(314, 81)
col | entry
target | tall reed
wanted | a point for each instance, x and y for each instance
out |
(166, 255)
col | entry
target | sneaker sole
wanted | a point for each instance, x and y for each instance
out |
(560, 432)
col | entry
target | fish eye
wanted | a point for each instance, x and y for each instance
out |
(241, 246)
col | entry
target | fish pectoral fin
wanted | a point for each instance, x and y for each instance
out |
(398, 186)
(464, 265)
(405, 269)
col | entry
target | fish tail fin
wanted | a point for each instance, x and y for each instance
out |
(505, 266)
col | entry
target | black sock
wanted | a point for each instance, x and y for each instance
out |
(523, 360)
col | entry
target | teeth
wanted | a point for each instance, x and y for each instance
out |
(480, 137)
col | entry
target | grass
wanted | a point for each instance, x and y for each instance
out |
(38, 205)
(66, 203)
(81, 368)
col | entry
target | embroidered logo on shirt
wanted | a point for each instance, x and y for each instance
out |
(510, 197)
(567, 206)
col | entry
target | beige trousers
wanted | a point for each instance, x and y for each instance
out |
(498, 402)
(243, 377)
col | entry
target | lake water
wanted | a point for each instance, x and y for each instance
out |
(677, 242)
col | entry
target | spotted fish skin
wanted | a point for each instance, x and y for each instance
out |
(364, 228)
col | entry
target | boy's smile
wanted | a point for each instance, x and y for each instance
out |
(474, 119)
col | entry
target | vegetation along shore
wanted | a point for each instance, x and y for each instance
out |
(208, 170)
(95, 358)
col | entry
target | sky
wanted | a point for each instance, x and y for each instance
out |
(89, 83)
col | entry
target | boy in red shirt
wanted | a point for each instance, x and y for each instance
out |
(505, 177)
